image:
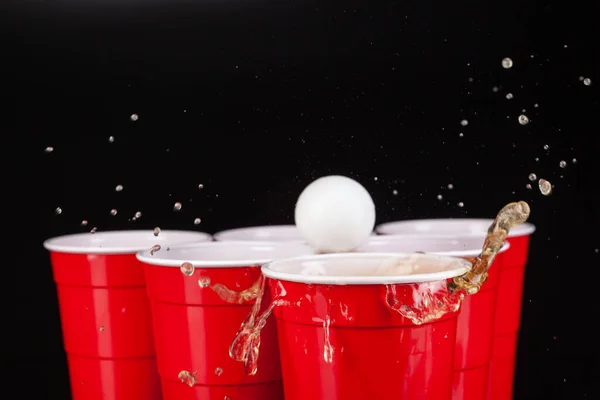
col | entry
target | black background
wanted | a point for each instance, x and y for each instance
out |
(255, 99)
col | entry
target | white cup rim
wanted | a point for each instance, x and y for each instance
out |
(456, 267)
(472, 250)
(459, 227)
(271, 233)
(227, 254)
(120, 241)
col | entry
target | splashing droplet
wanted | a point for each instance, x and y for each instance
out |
(440, 197)
(450, 186)
(464, 122)
(154, 249)
(156, 231)
(204, 282)
(461, 204)
(94, 230)
(102, 329)
(84, 222)
(118, 188)
(58, 211)
(545, 187)
(200, 186)
(523, 119)
(177, 206)
(111, 139)
(187, 378)
(562, 164)
(113, 212)
(509, 96)
(134, 117)
(587, 81)
(546, 147)
(197, 221)
(507, 63)
(138, 214)
(48, 149)
(528, 186)
(218, 371)
(532, 177)
(574, 161)
(187, 269)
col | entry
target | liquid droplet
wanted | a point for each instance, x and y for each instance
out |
(102, 329)
(523, 119)
(395, 192)
(461, 204)
(84, 222)
(111, 139)
(218, 371)
(532, 177)
(197, 221)
(450, 186)
(177, 206)
(58, 211)
(507, 63)
(200, 186)
(156, 231)
(187, 269)
(113, 212)
(464, 122)
(134, 117)
(187, 378)
(48, 149)
(546, 147)
(227, 398)
(574, 161)
(154, 249)
(440, 197)
(138, 214)
(528, 186)
(94, 230)
(118, 188)
(509, 96)
(562, 164)
(545, 187)
(587, 81)
(204, 282)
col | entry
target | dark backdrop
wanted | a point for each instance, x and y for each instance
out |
(255, 99)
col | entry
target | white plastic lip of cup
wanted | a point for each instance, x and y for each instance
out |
(224, 254)
(448, 227)
(121, 242)
(279, 233)
(466, 246)
(365, 268)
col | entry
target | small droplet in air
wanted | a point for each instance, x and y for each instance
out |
(134, 117)
(375, 179)
(102, 329)
(536, 105)
(450, 186)
(574, 161)
(562, 164)
(395, 192)
(200, 186)
(528, 186)
(507, 63)
(587, 81)
(48, 149)
(154, 249)
(197, 221)
(187, 378)
(187, 269)
(464, 122)
(440, 197)
(509, 96)
(111, 139)
(118, 188)
(545, 187)
(113, 212)
(461, 204)
(218, 371)
(94, 230)
(461, 134)
(523, 119)
(58, 211)
(177, 206)
(532, 177)
(204, 282)
(546, 147)
(138, 214)
(84, 222)
(156, 231)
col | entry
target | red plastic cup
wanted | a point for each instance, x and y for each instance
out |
(475, 327)
(105, 313)
(194, 325)
(339, 339)
(510, 289)
(270, 233)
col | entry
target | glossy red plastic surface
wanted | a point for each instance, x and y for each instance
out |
(470, 384)
(106, 323)
(508, 319)
(193, 329)
(377, 353)
(502, 367)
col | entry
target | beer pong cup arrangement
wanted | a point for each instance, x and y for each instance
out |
(200, 294)
(347, 329)
(105, 313)
(269, 233)
(475, 327)
(509, 291)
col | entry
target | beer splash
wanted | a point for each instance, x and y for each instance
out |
(429, 301)
(432, 300)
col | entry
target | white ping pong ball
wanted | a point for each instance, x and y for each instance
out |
(335, 214)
